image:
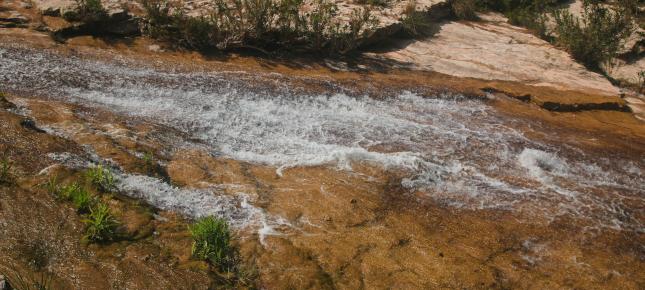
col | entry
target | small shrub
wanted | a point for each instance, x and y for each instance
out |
(5, 171)
(596, 37)
(102, 177)
(87, 11)
(464, 9)
(344, 39)
(100, 224)
(318, 22)
(532, 19)
(211, 240)
(415, 23)
(531, 14)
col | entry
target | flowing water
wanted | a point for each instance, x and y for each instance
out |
(457, 151)
(330, 189)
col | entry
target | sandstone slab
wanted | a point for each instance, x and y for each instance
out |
(494, 50)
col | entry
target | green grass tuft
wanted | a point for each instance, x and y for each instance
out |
(102, 178)
(211, 240)
(101, 226)
(78, 195)
(52, 186)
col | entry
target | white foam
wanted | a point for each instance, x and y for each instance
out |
(193, 202)
(542, 165)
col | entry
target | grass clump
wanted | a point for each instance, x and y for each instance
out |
(82, 199)
(211, 240)
(100, 224)
(102, 178)
(595, 38)
(6, 176)
(52, 186)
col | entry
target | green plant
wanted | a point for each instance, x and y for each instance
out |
(531, 14)
(79, 196)
(147, 159)
(5, 171)
(100, 224)
(102, 177)
(318, 22)
(87, 11)
(260, 25)
(52, 186)
(464, 9)
(344, 39)
(533, 19)
(596, 37)
(66, 192)
(211, 240)
(415, 23)
(148, 164)
(82, 200)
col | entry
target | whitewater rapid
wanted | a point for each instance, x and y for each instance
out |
(456, 150)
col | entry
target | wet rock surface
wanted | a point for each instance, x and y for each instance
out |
(344, 179)
(329, 190)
